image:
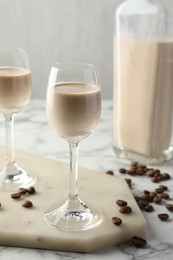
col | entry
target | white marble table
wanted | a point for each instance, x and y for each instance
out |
(33, 134)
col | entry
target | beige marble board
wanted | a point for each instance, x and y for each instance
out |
(24, 227)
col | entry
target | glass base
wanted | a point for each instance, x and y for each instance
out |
(132, 156)
(73, 216)
(12, 182)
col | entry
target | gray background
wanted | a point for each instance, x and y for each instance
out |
(62, 30)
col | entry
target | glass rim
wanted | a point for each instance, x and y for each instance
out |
(61, 65)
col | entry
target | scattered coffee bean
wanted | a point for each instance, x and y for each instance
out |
(146, 192)
(157, 199)
(137, 198)
(140, 204)
(27, 204)
(163, 216)
(122, 170)
(150, 173)
(140, 171)
(154, 179)
(147, 198)
(125, 210)
(129, 181)
(141, 165)
(153, 194)
(133, 163)
(16, 195)
(160, 178)
(31, 190)
(143, 202)
(138, 241)
(159, 190)
(163, 187)
(23, 191)
(121, 203)
(110, 172)
(166, 176)
(165, 196)
(148, 208)
(116, 221)
(169, 207)
(130, 172)
(157, 173)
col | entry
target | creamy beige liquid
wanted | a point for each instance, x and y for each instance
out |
(15, 88)
(73, 109)
(144, 102)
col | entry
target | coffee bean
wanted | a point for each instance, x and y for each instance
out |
(133, 163)
(140, 171)
(141, 206)
(157, 199)
(129, 181)
(16, 195)
(166, 176)
(116, 221)
(143, 202)
(22, 190)
(147, 198)
(159, 178)
(154, 179)
(27, 204)
(122, 170)
(138, 241)
(148, 208)
(169, 207)
(146, 192)
(31, 190)
(121, 203)
(141, 165)
(110, 172)
(125, 210)
(153, 194)
(137, 198)
(159, 190)
(163, 216)
(130, 172)
(163, 187)
(165, 196)
(150, 173)
(157, 174)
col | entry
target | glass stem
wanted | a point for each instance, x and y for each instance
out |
(10, 156)
(73, 190)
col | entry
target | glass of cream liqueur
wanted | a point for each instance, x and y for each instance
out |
(15, 92)
(73, 106)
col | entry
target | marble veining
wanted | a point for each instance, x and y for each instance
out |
(34, 135)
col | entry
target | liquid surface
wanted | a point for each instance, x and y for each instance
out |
(73, 109)
(15, 88)
(144, 101)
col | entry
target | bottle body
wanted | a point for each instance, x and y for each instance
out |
(143, 83)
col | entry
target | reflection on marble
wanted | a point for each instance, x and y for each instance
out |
(34, 135)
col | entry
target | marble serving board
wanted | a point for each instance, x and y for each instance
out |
(25, 227)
